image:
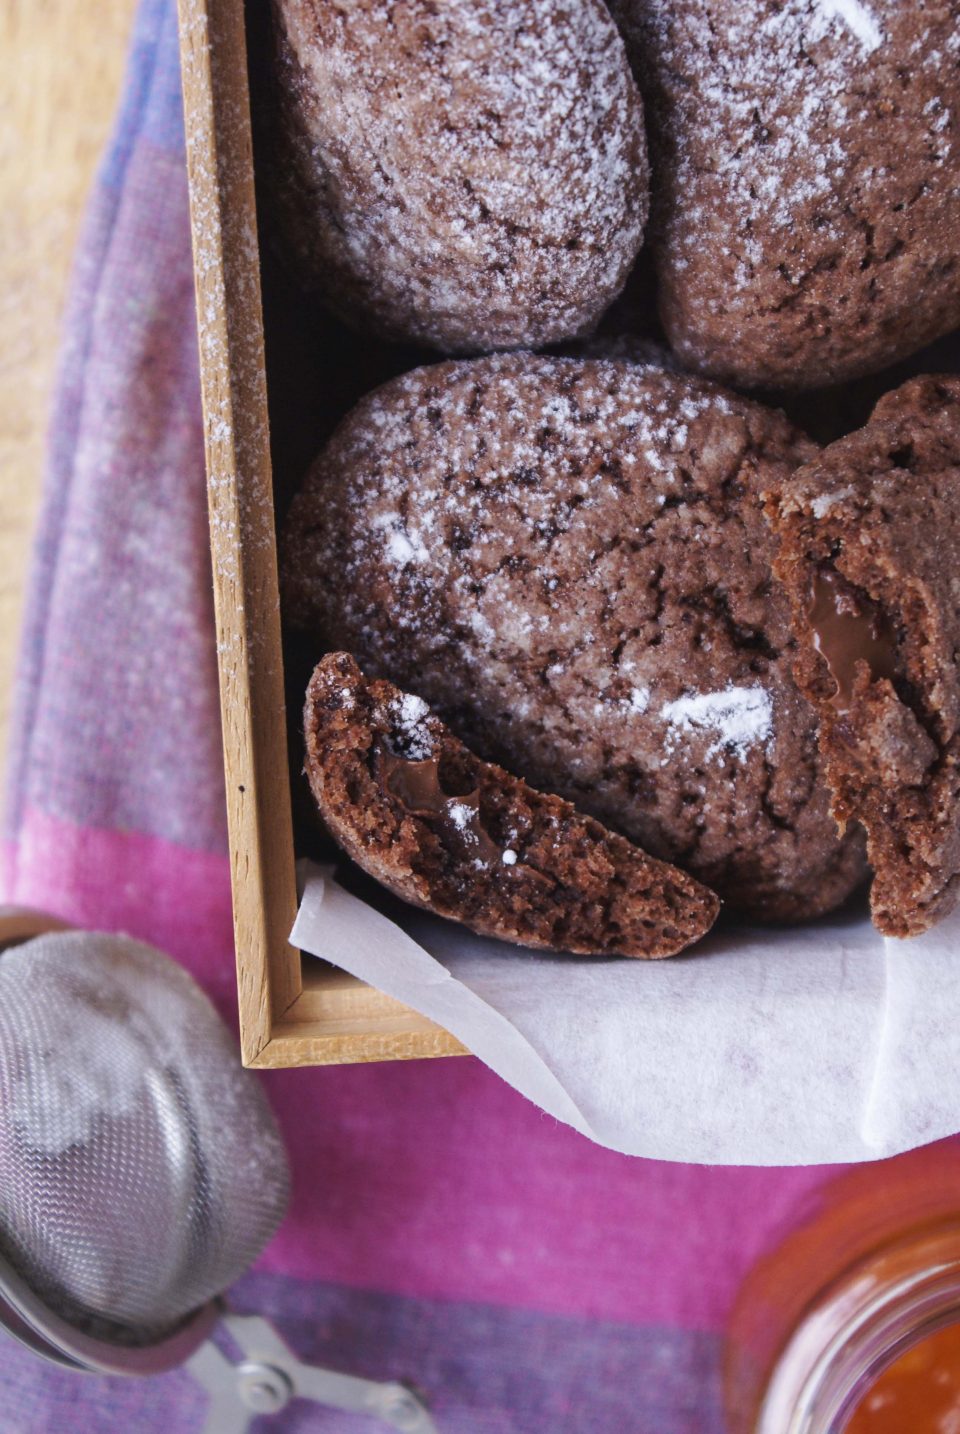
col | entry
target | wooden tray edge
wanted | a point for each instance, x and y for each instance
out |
(281, 1023)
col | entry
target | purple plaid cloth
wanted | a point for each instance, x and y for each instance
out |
(442, 1229)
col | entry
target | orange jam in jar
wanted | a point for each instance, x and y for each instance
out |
(919, 1392)
(851, 1325)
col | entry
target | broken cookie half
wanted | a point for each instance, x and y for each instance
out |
(465, 839)
(869, 539)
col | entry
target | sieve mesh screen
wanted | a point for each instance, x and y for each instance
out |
(141, 1171)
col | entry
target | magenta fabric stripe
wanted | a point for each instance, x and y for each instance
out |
(175, 898)
(433, 1178)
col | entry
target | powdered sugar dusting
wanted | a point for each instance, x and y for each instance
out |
(552, 414)
(462, 815)
(857, 18)
(784, 130)
(412, 736)
(402, 545)
(474, 173)
(741, 717)
(824, 502)
(769, 117)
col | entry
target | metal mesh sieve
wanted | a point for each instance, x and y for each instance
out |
(141, 1171)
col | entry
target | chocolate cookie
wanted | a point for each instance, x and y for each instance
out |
(466, 840)
(869, 535)
(471, 175)
(806, 180)
(624, 348)
(568, 560)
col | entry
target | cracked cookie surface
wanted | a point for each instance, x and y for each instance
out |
(568, 560)
(467, 840)
(869, 534)
(806, 192)
(471, 175)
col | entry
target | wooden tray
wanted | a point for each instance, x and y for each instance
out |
(293, 1011)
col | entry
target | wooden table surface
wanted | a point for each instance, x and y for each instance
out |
(61, 63)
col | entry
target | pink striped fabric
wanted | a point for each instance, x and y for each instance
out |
(441, 1227)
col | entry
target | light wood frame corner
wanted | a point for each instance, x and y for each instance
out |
(293, 1011)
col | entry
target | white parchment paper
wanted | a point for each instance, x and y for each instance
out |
(764, 1047)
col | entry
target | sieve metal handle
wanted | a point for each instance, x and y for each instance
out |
(24, 1315)
(271, 1375)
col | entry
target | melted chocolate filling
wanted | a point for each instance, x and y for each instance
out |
(415, 783)
(849, 628)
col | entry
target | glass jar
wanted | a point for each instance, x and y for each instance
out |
(869, 1272)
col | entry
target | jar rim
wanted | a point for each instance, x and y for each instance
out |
(869, 1315)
